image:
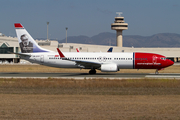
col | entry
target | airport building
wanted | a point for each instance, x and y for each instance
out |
(119, 25)
(8, 44)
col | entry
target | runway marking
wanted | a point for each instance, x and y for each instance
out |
(164, 73)
(160, 76)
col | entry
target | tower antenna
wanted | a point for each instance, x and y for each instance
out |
(119, 14)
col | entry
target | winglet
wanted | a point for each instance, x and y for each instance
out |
(77, 50)
(60, 53)
(18, 25)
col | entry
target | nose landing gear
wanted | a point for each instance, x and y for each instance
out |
(156, 72)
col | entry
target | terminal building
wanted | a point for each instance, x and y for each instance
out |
(10, 44)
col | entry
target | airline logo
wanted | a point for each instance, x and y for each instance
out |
(26, 45)
(26, 42)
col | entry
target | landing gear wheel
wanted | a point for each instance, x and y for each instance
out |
(92, 72)
(156, 72)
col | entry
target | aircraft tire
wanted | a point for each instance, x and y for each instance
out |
(91, 72)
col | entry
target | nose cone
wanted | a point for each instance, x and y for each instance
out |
(170, 62)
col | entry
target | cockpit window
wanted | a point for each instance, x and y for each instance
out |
(163, 58)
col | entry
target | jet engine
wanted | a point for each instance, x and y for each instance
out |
(109, 68)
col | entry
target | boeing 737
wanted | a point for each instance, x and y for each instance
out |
(105, 62)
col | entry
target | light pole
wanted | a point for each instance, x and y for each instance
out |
(66, 34)
(47, 31)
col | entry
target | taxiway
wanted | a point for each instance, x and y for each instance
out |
(87, 76)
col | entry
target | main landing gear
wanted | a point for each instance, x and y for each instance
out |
(92, 71)
(156, 72)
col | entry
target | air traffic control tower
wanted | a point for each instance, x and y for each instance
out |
(119, 26)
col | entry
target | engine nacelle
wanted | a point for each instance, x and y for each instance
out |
(109, 68)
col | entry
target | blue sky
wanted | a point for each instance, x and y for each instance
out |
(89, 17)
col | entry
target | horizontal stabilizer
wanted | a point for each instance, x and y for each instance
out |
(21, 54)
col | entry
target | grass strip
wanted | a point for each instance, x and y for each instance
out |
(90, 86)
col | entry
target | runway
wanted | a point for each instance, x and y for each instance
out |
(87, 76)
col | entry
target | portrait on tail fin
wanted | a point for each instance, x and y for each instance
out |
(25, 45)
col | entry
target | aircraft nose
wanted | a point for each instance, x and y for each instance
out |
(170, 62)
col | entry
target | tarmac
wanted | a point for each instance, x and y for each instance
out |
(87, 76)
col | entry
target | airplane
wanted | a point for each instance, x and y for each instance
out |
(103, 61)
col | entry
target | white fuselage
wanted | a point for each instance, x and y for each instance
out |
(122, 60)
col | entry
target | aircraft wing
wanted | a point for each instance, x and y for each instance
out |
(83, 64)
(87, 64)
